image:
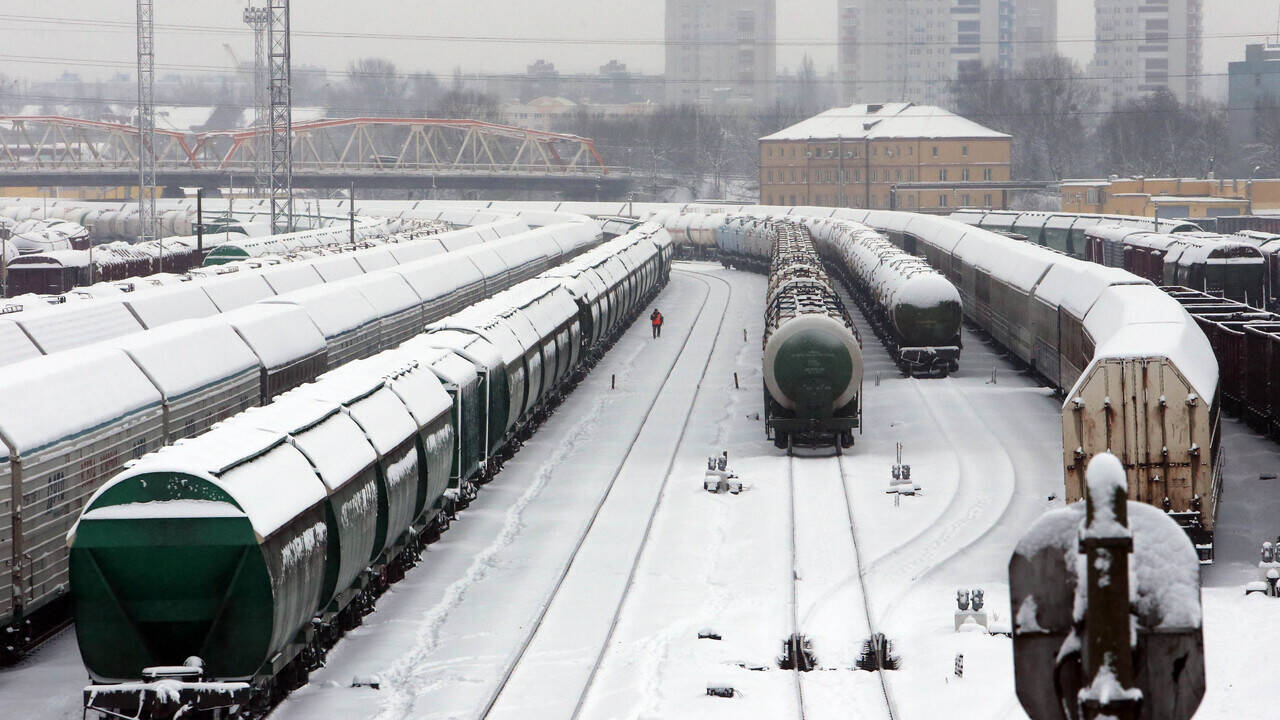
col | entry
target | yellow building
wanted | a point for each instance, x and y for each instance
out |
(875, 156)
(1171, 197)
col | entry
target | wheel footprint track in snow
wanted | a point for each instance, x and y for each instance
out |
(926, 563)
(399, 679)
(404, 678)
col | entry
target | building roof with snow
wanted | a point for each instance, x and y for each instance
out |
(885, 121)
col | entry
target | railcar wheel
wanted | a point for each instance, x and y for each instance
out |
(780, 440)
(846, 439)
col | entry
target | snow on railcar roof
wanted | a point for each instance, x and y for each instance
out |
(162, 305)
(415, 384)
(277, 334)
(51, 398)
(268, 478)
(1075, 285)
(73, 325)
(333, 308)
(387, 292)
(439, 358)
(385, 419)
(1153, 324)
(376, 258)
(337, 267)
(291, 276)
(236, 290)
(361, 387)
(15, 346)
(189, 354)
(486, 258)
(1017, 263)
(408, 252)
(330, 440)
(438, 275)
(460, 239)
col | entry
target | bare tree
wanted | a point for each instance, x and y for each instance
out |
(1157, 135)
(1043, 106)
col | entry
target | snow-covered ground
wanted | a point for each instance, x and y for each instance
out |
(612, 482)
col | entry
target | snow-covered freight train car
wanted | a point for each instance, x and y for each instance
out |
(1139, 376)
(812, 355)
(280, 333)
(914, 309)
(227, 565)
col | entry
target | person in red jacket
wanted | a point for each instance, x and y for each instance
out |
(655, 318)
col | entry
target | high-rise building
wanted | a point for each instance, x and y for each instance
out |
(1146, 45)
(909, 50)
(1252, 84)
(721, 51)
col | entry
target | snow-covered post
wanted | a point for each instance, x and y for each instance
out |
(1106, 543)
(1105, 595)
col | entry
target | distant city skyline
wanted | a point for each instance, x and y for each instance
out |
(436, 38)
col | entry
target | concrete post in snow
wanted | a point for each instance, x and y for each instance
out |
(1106, 544)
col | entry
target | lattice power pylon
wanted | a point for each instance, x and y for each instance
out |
(257, 18)
(280, 182)
(146, 122)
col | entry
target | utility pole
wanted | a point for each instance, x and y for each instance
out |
(351, 214)
(200, 223)
(280, 181)
(146, 123)
(256, 18)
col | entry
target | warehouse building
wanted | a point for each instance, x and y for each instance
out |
(879, 156)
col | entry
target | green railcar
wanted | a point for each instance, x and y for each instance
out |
(228, 557)
(812, 355)
(926, 311)
(503, 381)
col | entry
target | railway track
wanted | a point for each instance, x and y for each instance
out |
(491, 706)
(820, 606)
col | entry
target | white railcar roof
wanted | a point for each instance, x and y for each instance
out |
(1140, 321)
(333, 308)
(268, 478)
(337, 267)
(236, 290)
(188, 355)
(49, 399)
(291, 276)
(72, 325)
(330, 440)
(162, 305)
(277, 334)
(387, 292)
(15, 346)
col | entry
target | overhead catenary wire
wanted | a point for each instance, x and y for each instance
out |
(100, 24)
(353, 72)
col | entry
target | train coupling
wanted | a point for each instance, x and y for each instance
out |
(1191, 521)
(931, 361)
(166, 691)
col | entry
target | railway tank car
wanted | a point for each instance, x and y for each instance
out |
(913, 308)
(812, 355)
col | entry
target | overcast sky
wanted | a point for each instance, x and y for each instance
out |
(577, 35)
